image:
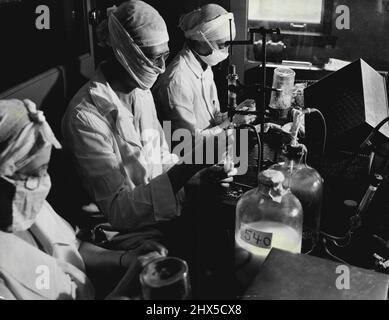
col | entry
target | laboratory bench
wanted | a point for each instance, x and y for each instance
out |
(222, 270)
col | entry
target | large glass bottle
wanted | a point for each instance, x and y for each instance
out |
(269, 216)
(307, 185)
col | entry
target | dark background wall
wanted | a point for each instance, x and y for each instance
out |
(369, 34)
(26, 51)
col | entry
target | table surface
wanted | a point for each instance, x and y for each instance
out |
(288, 276)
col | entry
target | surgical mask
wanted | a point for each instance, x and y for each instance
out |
(30, 195)
(145, 78)
(217, 55)
(131, 57)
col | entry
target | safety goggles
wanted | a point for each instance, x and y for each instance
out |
(160, 60)
(219, 46)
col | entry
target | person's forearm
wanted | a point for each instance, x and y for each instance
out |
(217, 129)
(131, 208)
(180, 174)
(96, 257)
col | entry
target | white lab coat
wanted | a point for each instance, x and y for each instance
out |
(122, 169)
(24, 268)
(187, 95)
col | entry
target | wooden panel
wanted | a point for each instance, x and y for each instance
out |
(39, 88)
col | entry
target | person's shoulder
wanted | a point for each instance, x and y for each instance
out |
(177, 71)
(53, 219)
(81, 101)
(47, 209)
(81, 110)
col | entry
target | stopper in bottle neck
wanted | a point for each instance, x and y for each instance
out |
(271, 178)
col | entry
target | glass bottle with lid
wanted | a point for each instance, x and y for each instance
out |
(269, 216)
(307, 185)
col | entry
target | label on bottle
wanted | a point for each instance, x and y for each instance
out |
(255, 237)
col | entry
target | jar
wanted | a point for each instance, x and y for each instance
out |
(165, 278)
(269, 216)
(281, 99)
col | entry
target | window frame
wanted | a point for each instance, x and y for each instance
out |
(324, 27)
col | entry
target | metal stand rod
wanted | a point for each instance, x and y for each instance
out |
(263, 92)
(371, 161)
(261, 95)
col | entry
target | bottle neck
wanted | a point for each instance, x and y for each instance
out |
(275, 192)
(264, 189)
(295, 158)
(294, 162)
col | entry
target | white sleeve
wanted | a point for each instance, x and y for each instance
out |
(124, 206)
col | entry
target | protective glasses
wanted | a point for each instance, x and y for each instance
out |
(219, 45)
(160, 60)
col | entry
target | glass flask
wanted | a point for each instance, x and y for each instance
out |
(269, 216)
(307, 185)
(166, 278)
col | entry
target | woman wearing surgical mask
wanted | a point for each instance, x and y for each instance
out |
(186, 93)
(40, 257)
(111, 127)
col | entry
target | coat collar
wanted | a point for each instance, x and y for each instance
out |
(109, 105)
(102, 95)
(192, 62)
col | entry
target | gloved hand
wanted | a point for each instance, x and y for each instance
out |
(240, 119)
(180, 174)
(218, 175)
(143, 254)
(135, 260)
